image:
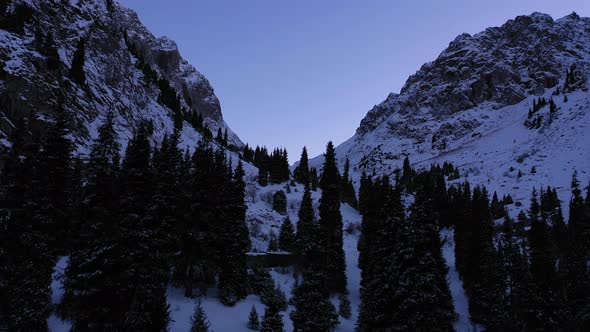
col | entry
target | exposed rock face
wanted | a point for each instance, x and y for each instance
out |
(500, 66)
(121, 65)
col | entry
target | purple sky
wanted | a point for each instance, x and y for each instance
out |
(294, 73)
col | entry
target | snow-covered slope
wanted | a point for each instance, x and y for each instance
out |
(469, 107)
(122, 64)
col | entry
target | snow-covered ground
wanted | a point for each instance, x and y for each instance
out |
(463, 323)
(57, 291)
(230, 319)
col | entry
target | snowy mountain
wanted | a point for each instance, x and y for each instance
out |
(470, 107)
(92, 57)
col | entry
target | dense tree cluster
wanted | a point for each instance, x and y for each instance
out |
(125, 224)
(516, 278)
(348, 194)
(273, 167)
(403, 274)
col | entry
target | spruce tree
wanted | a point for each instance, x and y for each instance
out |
(279, 202)
(87, 296)
(287, 236)
(25, 251)
(549, 307)
(313, 178)
(574, 266)
(138, 243)
(272, 321)
(199, 322)
(347, 188)
(236, 241)
(302, 171)
(306, 226)
(331, 223)
(313, 309)
(253, 322)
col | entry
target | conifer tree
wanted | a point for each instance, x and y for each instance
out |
(497, 207)
(347, 188)
(262, 176)
(138, 246)
(302, 171)
(225, 138)
(331, 223)
(313, 309)
(365, 188)
(219, 136)
(287, 236)
(87, 296)
(313, 178)
(233, 260)
(279, 202)
(26, 262)
(253, 321)
(574, 266)
(306, 226)
(199, 321)
(272, 321)
(544, 275)
(482, 277)
(344, 306)
(407, 174)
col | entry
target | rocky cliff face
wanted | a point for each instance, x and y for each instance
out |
(90, 57)
(470, 107)
(498, 67)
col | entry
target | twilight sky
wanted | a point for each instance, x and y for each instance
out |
(294, 73)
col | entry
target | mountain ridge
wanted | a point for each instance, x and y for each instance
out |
(124, 68)
(479, 85)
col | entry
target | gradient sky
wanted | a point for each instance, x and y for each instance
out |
(294, 73)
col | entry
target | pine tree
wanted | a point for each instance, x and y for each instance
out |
(219, 136)
(262, 176)
(496, 207)
(87, 296)
(313, 178)
(302, 171)
(364, 190)
(482, 274)
(236, 241)
(279, 202)
(287, 236)
(199, 322)
(253, 322)
(575, 268)
(138, 246)
(26, 262)
(331, 223)
(313, 309)
(306, 226)
(519, 292)
(347, 188)
(272, 321)
(53, 178)
(542, 267)
(407, 174)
